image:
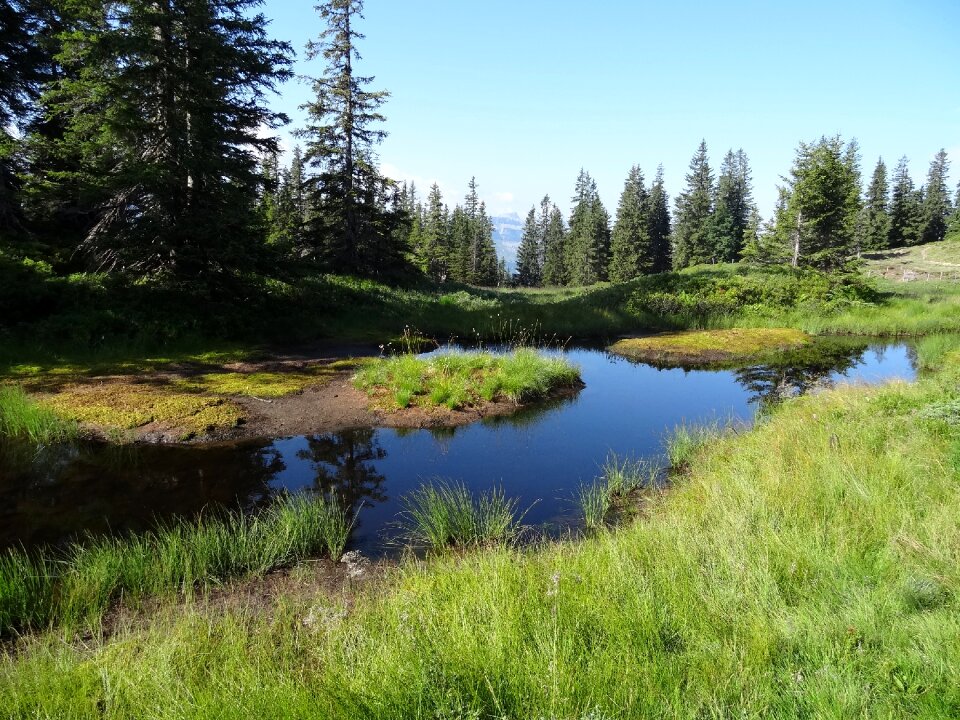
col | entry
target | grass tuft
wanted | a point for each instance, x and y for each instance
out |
(21, 417)
(446, 514)
(77, 585)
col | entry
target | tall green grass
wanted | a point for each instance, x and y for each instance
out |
(444, 514)
(77, 585)
(458, 379)
(806, 568)
(620, 478)
(23, 418)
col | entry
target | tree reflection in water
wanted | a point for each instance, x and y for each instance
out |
(799, 371)
(343, 466)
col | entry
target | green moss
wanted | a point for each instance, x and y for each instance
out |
(712, 347)
(259, 384)
(125, 405)
(457, 380)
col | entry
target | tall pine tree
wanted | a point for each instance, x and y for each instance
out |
(630, 251)
(876, 225)
(554, 244)
(693, 224)
(588, 239)
(529, 270)
(936, 200)
(350, 224)
(821, 204)
(906, 208)
(658, 224)
(163, 105)
(732, 206)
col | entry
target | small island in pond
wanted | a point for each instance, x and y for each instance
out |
(711, 348)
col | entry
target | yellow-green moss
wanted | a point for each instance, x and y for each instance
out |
(708, 347)
(122, 405)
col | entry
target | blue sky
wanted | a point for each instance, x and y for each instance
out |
(522, 94)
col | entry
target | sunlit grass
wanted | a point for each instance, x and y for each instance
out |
(705, 347)
(22, 417)
(446, 514)
(75, 586)
(458, 379)
(807, 567)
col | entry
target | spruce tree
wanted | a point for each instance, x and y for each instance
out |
(350, 224)
(460, 233)
(732, 206)
(162, 109)
(658, 224)
(821, 205)
(436, 235)
(906, 208)
(693, 231)
(529, 270)
(630, 250)
(483, 253)
(555, 250)
(936, 200)
(588, 240)
(25, 63)
(876, 225)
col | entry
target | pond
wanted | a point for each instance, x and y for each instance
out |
(541, 455)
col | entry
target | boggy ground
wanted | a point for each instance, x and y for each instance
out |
(232, 397)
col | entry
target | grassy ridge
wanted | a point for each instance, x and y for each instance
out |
(807, 568)
(76, 586)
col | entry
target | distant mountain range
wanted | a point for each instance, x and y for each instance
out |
(507, 231)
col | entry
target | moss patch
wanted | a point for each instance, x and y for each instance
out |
(120, 405)
(267, 384)
(711, 347)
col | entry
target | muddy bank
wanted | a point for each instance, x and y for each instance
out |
(276, 396)
(337, 405)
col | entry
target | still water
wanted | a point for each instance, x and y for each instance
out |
(541, 455)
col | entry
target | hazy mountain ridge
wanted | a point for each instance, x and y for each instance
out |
(507, 232)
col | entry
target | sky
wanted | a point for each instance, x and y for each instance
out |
(522, 94)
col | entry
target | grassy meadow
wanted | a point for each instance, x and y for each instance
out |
(805, 568)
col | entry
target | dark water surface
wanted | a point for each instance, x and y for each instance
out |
(541, 455)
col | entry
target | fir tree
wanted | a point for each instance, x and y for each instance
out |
(555, 248)
(162, 109)
(692, 231)
(658, 224)
(821, 204)
(906, 208)
(630, 250)
(483, 254)
(876, 224)
(732, 206)
(529, 270)
(350, 225)
(936, 200)
(25, 62)
(588, 240)
(436, 235)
